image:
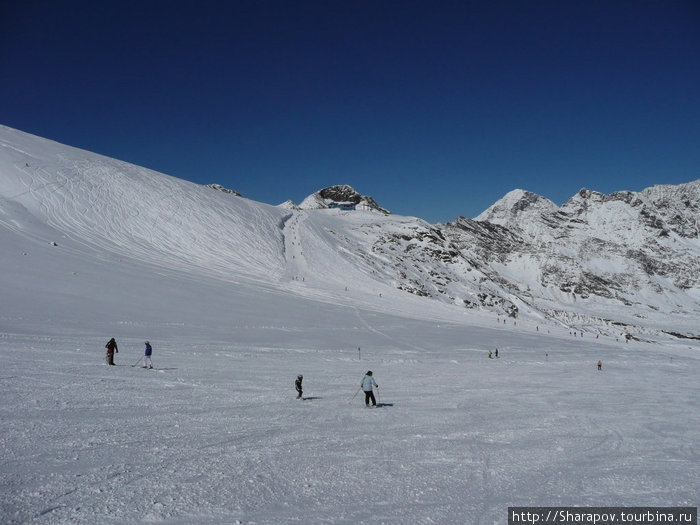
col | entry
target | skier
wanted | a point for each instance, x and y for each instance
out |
(600, 365)
(297, 384)
(367, 383)
(147, 362)
(111, 347)
(496, 352)
(490, 354)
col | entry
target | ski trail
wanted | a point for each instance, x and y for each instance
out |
(293, 253)
(379, 332)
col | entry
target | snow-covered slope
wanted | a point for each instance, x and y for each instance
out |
(238, 297)
(101, 206)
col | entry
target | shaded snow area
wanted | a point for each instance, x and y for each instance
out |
(237, 298)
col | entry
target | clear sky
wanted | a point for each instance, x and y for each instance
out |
(434, 108)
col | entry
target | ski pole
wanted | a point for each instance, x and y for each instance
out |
(137, 362)
(353, 397)
(378, 400)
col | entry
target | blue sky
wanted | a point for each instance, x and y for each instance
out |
(436, 109)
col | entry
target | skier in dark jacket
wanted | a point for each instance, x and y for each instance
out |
(111, 347)
(147, 362)
(297, 385)
(367, 383)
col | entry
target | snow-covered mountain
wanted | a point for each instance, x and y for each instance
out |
(622, 263)
(239, 297)
(624, 258)
(611, 264)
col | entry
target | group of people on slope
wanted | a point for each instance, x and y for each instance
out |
(367, 385)
(112, 349)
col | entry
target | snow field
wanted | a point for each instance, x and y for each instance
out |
(215, 435)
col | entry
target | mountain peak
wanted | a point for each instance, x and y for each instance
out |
(339, 193)
(515, 203)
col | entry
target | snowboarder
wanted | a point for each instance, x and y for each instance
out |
(297, 385)
(111, 347)
(147, 362)
(600, 365)
(367, 383)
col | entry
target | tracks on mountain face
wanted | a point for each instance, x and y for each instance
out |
(293, 253)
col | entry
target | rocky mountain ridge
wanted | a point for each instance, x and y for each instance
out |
(342, 193)
(619, 257)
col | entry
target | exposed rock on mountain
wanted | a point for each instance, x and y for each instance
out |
(607, 260)
(610, 251)
(340, 194)
(220, 188)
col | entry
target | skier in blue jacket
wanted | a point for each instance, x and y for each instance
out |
(147, 362)
(367, 383)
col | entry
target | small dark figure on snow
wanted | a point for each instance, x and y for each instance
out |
(111, 347)
(496, 352)
(147, 361)
(297, 385)
(600, 365)
(490, 354)
(367, 383)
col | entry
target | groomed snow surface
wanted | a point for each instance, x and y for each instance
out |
(237, 299)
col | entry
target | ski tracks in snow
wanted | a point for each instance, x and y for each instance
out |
(296, 267)
(401, 344)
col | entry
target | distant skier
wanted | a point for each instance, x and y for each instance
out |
(111, 347)
(147, 362)
(297, 385)
(600, 365)
(490, 354)
(496, 352)
(367, 383)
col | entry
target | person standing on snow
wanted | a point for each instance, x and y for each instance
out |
(111, 347)
(147, 361)
(367, 383)
(297, 385)
(600, 365)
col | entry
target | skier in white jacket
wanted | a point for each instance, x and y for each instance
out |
(367, 383)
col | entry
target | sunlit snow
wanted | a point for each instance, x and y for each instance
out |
(237, 299)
